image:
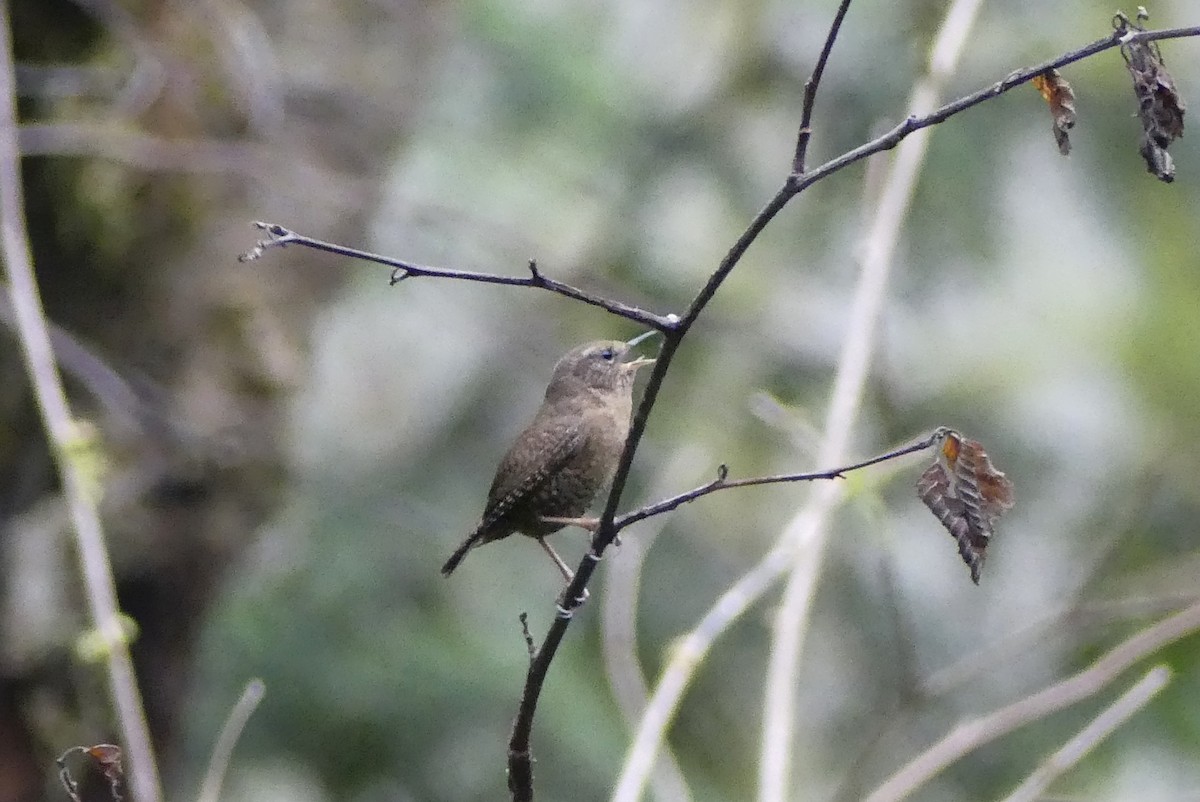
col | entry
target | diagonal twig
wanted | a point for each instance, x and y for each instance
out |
(722, 482)
(1138, 696)
(280, 237)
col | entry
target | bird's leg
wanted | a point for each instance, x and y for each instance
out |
(566, 571)
(563, 568)
(590, 524)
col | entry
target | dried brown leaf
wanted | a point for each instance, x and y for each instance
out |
(1061, 98)
(967, 494)
(101, 776)
(1160, 108)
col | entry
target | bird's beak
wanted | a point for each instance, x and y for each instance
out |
(641, 361)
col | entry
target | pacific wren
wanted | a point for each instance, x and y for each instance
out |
(567, 454)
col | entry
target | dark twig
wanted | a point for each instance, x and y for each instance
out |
(722, 483)
(279, 237)
(810, 89)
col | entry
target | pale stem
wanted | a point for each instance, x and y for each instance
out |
(806, 533)
(64, 436)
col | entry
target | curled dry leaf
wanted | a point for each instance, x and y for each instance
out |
(1160, 108)
(966, 493)
(101, 777)
(1061, 98)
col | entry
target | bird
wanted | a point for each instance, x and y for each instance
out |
(557, 465)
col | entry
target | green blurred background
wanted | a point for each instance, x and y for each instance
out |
(307, 444)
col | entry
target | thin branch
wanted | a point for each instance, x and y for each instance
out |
(63, 435)
(1014, 79)
(810, 89)
(1087, 739)
(280, 237)
(218, 764)
(724, 483)
(969, 736)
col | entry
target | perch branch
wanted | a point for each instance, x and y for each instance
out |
(520, 770)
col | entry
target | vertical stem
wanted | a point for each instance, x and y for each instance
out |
(63, 435)
(806, 533)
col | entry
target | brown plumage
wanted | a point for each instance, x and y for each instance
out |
(567, 454)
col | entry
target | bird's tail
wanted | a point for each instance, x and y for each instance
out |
(457, 557)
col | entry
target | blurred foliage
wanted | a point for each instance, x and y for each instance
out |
(1045, 306)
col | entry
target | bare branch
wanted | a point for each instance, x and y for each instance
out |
(724, 483)
(971, 735)
(1090, 736)
(1014, 79)
(280, 237)
(520, 770)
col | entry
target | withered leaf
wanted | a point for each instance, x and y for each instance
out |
(1061, 98)
(1160, 108)
(101, 777)
(967, 494)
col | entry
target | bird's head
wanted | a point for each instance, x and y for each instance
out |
(601, 365)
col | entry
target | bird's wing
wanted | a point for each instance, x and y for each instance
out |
(539, 453)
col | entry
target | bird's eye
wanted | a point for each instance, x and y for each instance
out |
(608, 354)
